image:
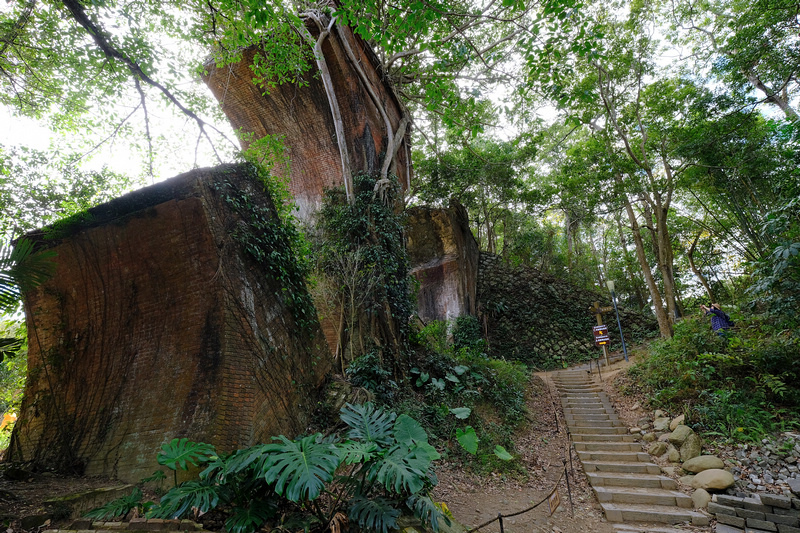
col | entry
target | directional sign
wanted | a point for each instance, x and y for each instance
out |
(606, 309)
(601, 337)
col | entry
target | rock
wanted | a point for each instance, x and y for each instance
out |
(686, 480)
(635, 430)
(673, 455)
(691, 447)
(661, 424)
(649, 437)
(700, 498)
(794, 485)
(679, 434)
(657, 449)
(659, 414)
(713, 478)
(669, 470)
(703, 462)
(677, 421)
(635, 406)
(664, 437)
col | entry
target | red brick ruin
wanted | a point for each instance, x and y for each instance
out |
(157, 325)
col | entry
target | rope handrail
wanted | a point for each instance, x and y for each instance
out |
(500, 516)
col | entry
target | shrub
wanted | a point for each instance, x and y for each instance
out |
(379, 470)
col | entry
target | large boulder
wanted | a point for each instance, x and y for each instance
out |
(677, 421)
(703, 462)
(691, 447)
(700, 498)
(713, 479)
(657, 448)
(661, 424)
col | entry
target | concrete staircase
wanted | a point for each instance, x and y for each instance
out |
(628, 486)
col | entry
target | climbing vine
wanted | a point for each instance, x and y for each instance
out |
(273, 242)
(370, 233)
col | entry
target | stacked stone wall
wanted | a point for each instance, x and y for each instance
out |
(544, 321)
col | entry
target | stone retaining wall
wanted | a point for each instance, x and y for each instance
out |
(760, 512)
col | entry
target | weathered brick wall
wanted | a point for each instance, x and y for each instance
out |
(302, 116)
(157, 326)
(443, 256)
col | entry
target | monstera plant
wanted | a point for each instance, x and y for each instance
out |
(380, 469)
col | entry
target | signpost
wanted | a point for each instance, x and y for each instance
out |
(601, 337)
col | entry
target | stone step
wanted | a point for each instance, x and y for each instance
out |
(645, 496)
(590, 410)
(615, 457)
(591, 418)
(587, 437)
(615, 446)
(606, 429)
(639, 528)
(621, 467)
(616, 512)
(596, 424)
(617, 479)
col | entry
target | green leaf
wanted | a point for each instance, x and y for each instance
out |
(357, 452)
(408, 431)
(300, 468)
(119, 507)
(402, 470)
(468, 439)
(178, 453)
(158, 475)
(249, 519)
(179, 501)
(368, 423)
(427, 511)
(501, 453)
(462, 413)
(373, 514)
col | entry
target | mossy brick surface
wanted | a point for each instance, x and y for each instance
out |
(783, 528)
(730, 501)
(747, 513)
(159, 324)
(789, 520)
(717, 508)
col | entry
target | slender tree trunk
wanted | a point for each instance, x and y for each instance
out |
(664, 324)
(641, 301)
(697, 272)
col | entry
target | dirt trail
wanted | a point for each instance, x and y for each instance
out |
(543, 447)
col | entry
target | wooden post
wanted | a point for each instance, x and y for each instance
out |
(598, 313)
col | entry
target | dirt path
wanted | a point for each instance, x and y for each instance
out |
(544, 446)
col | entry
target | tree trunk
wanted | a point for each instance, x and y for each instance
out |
(697, 272)
(664, 324)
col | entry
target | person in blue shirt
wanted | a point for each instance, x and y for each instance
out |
(720, 321)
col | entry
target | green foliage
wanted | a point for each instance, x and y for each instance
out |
(468, 439)
(22, 269)
(362, 253)
(381, 468)
(741, 389)
(273, 243)
(369, 372)
(121, 507)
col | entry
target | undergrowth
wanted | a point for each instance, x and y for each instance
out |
(739, 389)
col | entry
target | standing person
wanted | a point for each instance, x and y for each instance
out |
(720, 321)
